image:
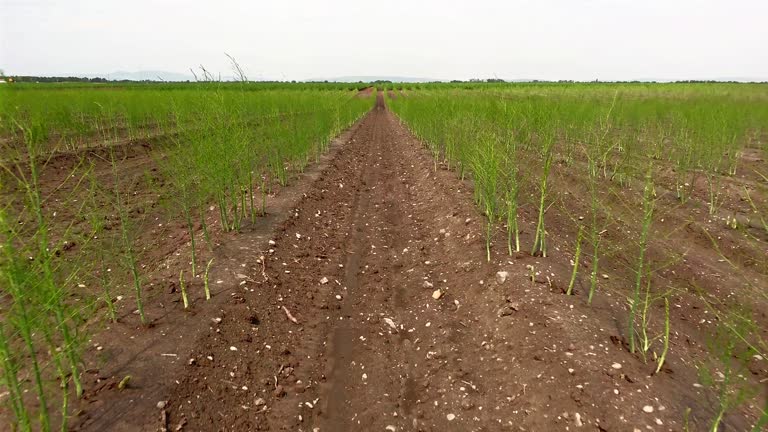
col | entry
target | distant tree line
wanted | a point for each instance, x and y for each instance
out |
(499, 80)
(54, 79)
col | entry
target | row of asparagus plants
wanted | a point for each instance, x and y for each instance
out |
(68, 117)
(227, 148)
(610, 145)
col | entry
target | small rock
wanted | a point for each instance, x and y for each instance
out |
(616, 366)
(272, 243)
(233, 348)
(390, 428)
(161, 404)
(577, 420)
(390, 323)
(324, 280)
(427, 284)
(450, 417)
(437, 294)
(648, 409)
(259, 402)
(502, 276)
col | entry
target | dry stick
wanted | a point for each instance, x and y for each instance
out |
(290, 317)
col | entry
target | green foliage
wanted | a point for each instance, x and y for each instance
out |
(223, 144)
(607, 147)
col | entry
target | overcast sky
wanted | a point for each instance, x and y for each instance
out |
(442, 39)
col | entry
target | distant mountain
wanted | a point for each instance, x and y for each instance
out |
(149, 75)
(372, 78)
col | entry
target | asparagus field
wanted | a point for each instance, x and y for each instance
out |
(88, 172)
(333, 257)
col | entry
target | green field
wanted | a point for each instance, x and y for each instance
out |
(659, 185)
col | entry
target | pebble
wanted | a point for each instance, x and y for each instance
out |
(502, 276)
(427, 284)
(391, 428)
(259, 402)
(648, 409)
(437, 294)
(450, 417)
(616, 365)
(577, 420)
(390, 323)
(233, 348)
(324, 280)
(161, 404)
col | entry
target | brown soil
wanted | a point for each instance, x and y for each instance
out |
(363, 242)
(365, 93)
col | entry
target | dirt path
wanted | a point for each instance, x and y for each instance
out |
(371, 307)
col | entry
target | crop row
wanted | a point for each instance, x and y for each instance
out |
(597, 159)
(222, 146)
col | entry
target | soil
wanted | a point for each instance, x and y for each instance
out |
(363, 301)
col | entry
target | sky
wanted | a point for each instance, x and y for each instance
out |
(305, 39)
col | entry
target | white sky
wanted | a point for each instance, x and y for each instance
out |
(442, 39)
